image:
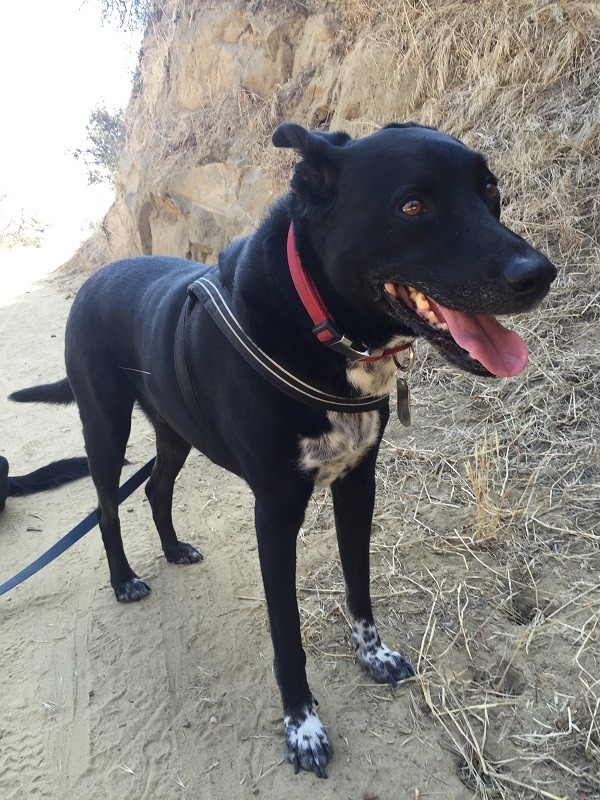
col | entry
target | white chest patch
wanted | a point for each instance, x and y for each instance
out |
(376, 377)
(340, 449)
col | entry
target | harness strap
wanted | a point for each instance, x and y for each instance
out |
(214, 448)
(215, 298)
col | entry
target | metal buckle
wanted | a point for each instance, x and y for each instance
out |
(340, 343)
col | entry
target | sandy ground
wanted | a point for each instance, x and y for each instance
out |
(175, 695)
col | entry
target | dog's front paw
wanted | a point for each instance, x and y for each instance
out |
(130, 591)
(182, 553)
(382, 664)
(306, 743)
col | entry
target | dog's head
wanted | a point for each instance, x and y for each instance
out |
(404, 226)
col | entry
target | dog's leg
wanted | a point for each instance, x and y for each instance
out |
(171, 453)
(105, 409)
(353, 502)
(4, 483)
(277, 524)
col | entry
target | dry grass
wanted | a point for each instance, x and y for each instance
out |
(501, 502)
(482, 472)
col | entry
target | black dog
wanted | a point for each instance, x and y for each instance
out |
(48, 477)
(394, 236)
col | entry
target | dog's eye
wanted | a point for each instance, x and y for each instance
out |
(413, 207)
(491, 188)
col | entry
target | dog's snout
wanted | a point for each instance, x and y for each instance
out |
(529, 276)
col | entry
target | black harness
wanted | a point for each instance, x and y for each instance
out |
(208, 293)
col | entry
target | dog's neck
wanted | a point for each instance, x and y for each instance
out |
(324, 327)
(271, 312)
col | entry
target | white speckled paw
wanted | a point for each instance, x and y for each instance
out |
(384, 665)
(306, 743)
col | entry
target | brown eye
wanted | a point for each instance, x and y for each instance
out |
(491, 189)
(413, 208)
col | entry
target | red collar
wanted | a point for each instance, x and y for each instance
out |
(324, 327)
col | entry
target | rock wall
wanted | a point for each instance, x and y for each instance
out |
(517, 80)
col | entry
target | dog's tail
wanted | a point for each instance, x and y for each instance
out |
(59, 393)
(49, 477)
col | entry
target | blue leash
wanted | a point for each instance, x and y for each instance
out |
(74, 535)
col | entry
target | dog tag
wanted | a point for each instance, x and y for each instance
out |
(404, 364)
(403, 400)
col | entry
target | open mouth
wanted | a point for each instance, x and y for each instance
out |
(477, 342)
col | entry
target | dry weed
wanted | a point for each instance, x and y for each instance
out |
(482, 472)
(486, 535)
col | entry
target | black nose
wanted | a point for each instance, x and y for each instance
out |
(529, 276)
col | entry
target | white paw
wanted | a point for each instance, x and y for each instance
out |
(384, 665)
(306, 743)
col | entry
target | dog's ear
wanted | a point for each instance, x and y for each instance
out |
(407, 125)
(288, 134)
(315, 177)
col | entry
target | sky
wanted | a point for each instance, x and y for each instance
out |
(57, 62)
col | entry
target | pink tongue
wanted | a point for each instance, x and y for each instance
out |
(502, 352)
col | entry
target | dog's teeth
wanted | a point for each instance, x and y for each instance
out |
(419, 299)
(390, 289)
(421, 302)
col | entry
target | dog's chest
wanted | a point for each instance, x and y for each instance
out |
(376, 378)
(351, 436)
(340, 449)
